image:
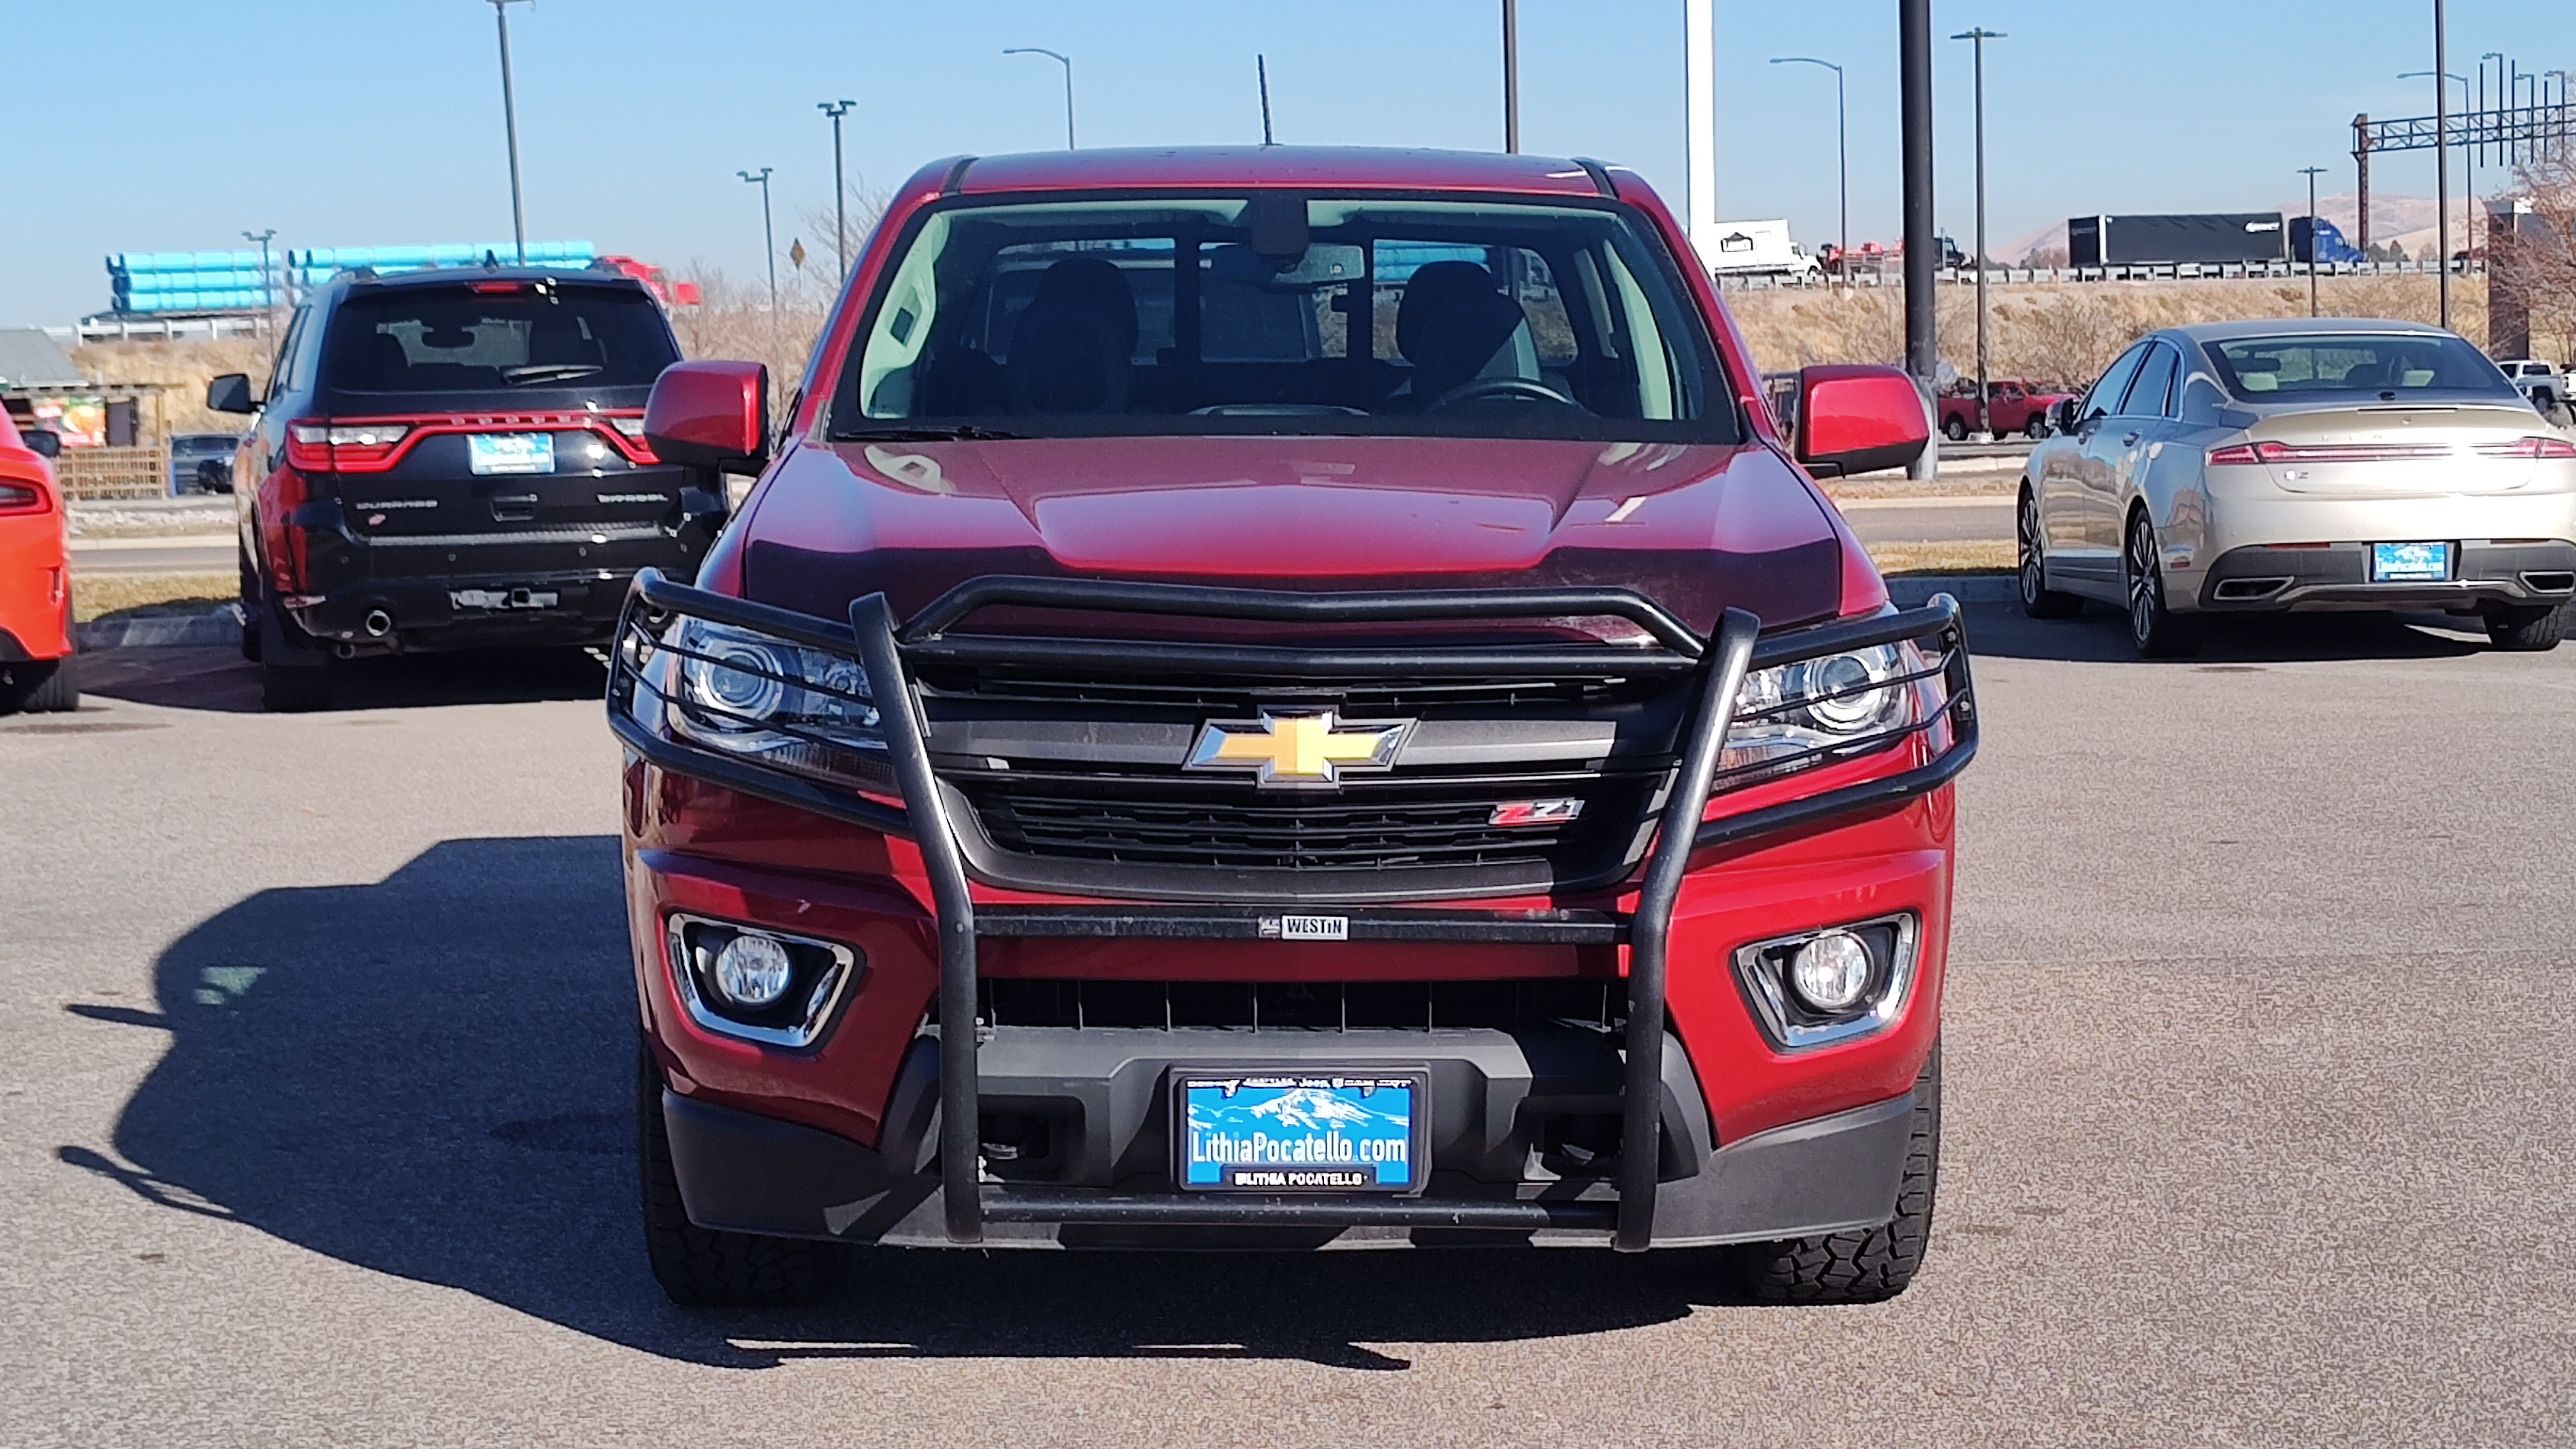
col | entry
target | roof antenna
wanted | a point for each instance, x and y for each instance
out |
(1262, 64)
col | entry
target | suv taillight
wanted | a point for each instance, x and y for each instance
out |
(316, 446)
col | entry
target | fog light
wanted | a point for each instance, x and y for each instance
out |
(753, 970)
(1830, 972)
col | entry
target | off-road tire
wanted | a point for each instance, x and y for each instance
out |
(705, 1267)
(2030, 574)
(45, 686)
(2527, 630)
(1873, 1265)
(2156, 630)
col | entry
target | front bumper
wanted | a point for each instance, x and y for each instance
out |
(925, 1109)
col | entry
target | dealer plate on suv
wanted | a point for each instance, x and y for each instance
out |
(1300, 1131)
(506, 453)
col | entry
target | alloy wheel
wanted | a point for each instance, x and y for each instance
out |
(2033, 577)
(2145, 584)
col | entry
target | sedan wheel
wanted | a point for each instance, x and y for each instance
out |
(2038, 600)
(2158, 631)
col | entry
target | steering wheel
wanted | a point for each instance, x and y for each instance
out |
(1481, 389)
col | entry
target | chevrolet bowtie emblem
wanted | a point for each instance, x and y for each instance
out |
(1297, 749)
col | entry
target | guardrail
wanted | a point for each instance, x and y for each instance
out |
(2162, 272)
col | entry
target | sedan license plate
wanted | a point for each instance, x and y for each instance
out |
(2392, 563)
(493, 453)
(1309, 1130)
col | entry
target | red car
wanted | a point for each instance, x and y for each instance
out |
(2012, 406)
(35, 582)
(1283, 699)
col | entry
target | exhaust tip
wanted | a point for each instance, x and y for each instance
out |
(378, 623)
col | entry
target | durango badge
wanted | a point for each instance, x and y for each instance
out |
(1297, 749)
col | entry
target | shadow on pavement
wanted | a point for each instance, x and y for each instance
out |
(431, 1077)
(2100, 635)
(218, 678)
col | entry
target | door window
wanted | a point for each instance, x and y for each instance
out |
(2153, 389)
(2105, 396)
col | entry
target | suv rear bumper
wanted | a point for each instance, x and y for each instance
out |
(568, 607)
(748, 1173)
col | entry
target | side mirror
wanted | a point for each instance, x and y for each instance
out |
(230, 393)
(43, 442)
(2062, 416)
(1858, 419)
(711, 415)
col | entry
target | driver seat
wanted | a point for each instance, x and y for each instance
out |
(1456, 326)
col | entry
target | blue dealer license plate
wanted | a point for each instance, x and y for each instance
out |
(1300, 1131)
(510, 452)
(2394, 563)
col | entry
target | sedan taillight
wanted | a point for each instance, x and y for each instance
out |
(2529, 448)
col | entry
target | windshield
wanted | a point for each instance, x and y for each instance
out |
(497, 337)
(1281, 312)
(2386, 366)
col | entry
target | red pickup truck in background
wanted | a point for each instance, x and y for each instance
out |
(2012, 406)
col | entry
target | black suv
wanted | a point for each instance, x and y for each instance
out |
(455, 458)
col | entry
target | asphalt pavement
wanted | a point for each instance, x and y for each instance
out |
(1935, 519)
(315, 1109)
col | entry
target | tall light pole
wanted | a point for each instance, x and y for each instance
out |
(2442, 163)
(1067, 62)
(2310, 172)
(1842, 133)
(1511, 76)
(1922, 306)
(1699, 108)
(510, 123)
(840, 189)
(1978, 37)
(2442, 152)
(769, 244)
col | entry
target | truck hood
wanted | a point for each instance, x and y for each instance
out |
(1698, 527)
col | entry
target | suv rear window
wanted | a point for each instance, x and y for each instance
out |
(477, 337)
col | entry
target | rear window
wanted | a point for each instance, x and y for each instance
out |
(2389, 365)
(533, 336)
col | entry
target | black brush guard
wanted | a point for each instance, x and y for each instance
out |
(888, 648)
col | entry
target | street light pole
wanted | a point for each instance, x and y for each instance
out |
(769, 244)
(1067, 62)
(1511, 77)
(1978, 37)
(2442, 152)
(840, 188)
(1842, 134)
(2310, 172)
(1922, 306)
(2474, 107)
(510, 123)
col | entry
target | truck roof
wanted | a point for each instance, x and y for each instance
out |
(1356, 168)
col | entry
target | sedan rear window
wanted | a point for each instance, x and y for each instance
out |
(497, 337)
(2277, 369)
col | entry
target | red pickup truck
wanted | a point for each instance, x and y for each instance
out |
(2012, 406)
(1283, 699)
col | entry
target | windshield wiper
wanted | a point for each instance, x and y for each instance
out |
(546, 372)
(961, 433)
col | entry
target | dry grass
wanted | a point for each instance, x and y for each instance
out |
(2065, 332)
(143, 596)
(184, 365)
(1979, 556)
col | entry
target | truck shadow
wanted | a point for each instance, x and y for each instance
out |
(2100, 635)
(217, 679)
(430, 1077)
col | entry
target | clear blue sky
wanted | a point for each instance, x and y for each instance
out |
(155, 125)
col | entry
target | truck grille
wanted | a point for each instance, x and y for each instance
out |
(1164, 821)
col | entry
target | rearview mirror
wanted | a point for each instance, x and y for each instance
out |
(230, 393)
(710, 415)
(1859, 419)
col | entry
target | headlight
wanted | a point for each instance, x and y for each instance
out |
(1819, 709)
(763, 699)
